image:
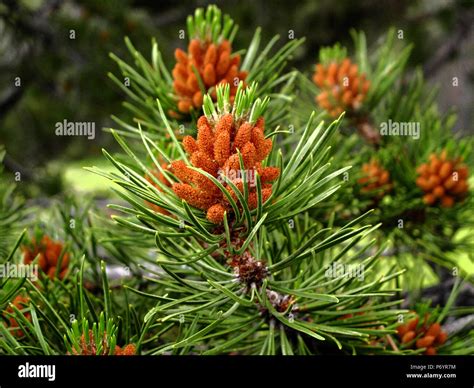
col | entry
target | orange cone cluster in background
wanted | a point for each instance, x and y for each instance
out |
(158, 175)
(90, 348)
(128, 350)
(20, 303)
(215, 65)
(49, 252)
(428, 337)
(375, 177)
(343, 88)
(215, 151)
(443, 181)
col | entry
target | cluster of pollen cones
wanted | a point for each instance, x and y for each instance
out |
(342, 87)
(20, 302)
(428, 337)
(215, 65)
(442, 180)
(49, 253)
(215, 151)
(88, 348)
(375, 177)
(158, 175)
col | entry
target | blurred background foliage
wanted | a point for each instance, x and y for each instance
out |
(54, 64)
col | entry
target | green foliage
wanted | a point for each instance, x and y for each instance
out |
(210, 25)
(12, 211)
(100, 339)
(335, 53)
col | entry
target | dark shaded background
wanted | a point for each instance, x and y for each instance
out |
(64, 78)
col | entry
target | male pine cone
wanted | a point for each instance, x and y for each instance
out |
(427, 336)
(442, 180)
(216, 151)
(375, 177)
(215, 65)
(342, 87)
(49, 254)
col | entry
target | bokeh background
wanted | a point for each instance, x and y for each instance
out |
(46, 77)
